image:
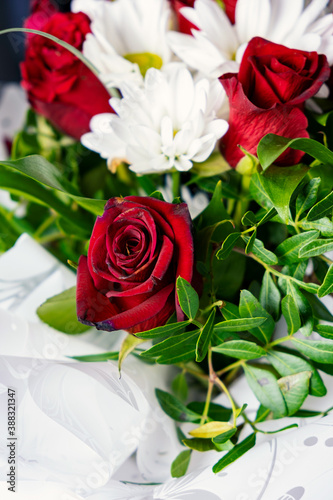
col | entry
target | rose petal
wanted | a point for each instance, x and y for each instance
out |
(151, 312)
(92, 306)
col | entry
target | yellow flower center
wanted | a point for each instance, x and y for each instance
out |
(145, 60)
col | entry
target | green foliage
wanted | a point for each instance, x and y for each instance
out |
(66, 321)
(254, 245)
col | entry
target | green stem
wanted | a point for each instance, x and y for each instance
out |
(243, 202)
(195, 373)
(278, 341)
(326, 259)
(224, 388)
(207, 403)
(175, 184)
(45, 225)
(236, 364)
(51, 237)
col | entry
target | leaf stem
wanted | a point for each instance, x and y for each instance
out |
(224, 388)
(236, 364)
(45, 225)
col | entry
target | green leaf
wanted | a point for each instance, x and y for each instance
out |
(175, 349)
(21, 185)
(249, 219)
(265, 387)
(325, 331)
(250, 307)
(327, 285)
(268, 216)
(270, 296)
(179, 386)
(324, 225)
(307, 196)
(307, 414)
(317, 247)
(199, 444)
(187, 297)
(205, 337)
(295, 389)
(272, 146)
(128, 345)
(59, 312)
(303, 307)
(215, 211)
(39, 169)
(230, 310)
(228, 275)
(228, 245)
(259, 194)
(287, 251)
(174, 408)
(250, 242)
(319, 310)
(290, 312)
(163, 331)
(105, 356)
(277, 184)
(322, 208)
(240, 410)
(211, 429)
(260, 251)
(215, 411)
(240, 349)
(288, 364)
(180, 465)
(225, 436)
(239, 324)
(319, 351)
(235, 453)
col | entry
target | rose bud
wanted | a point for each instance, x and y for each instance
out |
(230, 9)
(184, 25)
(267, 96)
(138, 248)
(59, 86)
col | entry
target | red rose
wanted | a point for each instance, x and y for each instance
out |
(137, 250)
(267, 96)
(59, 86)
(41, 11)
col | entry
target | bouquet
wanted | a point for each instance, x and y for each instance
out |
(178, 155)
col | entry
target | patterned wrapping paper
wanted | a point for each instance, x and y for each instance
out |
(78, 424)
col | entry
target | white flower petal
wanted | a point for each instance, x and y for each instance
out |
(284, 15)
(252, 18)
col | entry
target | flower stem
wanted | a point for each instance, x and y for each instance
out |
(175, 184)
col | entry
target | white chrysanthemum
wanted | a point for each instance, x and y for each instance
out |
(167, 124)
(128, 37)
(219, 46)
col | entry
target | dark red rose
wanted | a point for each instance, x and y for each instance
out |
(267, 96)
(41, 11)
(138, 248)
(59, 86)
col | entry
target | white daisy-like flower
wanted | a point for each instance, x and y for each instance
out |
(219, 46)
(128, 37)
(167, 124)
